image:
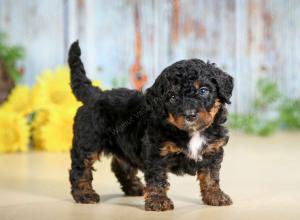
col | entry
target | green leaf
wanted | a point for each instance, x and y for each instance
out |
(290, 114)
(9, 55)
(268, 93)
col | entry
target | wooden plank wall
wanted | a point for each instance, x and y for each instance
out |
(248, 38)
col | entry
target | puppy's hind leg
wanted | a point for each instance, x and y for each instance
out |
(126, 175)
(81, 175)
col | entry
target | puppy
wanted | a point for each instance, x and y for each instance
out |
(175, 126)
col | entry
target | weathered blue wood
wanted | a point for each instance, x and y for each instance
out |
(38, 26)
(248, 38)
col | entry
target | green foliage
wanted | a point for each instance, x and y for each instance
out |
(268, 93)
(119, 81)
(290, 114)
(9, 55)
(268, 101)
(253, 124)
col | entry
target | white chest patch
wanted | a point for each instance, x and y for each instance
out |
(195, 146)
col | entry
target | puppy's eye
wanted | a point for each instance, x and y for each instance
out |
(203, 91)
(172, 99)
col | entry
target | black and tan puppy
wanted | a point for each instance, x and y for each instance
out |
(175, 126)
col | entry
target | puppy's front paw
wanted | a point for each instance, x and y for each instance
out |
(88, 197)
(216, 198)
(158, 203)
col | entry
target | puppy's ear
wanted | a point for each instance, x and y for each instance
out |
(224, 84)
(155, 94)
(153, 100)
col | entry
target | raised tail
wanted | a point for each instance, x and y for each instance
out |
(80, 84)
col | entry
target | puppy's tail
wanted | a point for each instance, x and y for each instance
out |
(80, 84)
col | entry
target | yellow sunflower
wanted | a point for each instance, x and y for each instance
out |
(97, 83)
(14, 132)
(55, 107)
(40, 119)
(53, 130)
(53, 88)
(19, 101)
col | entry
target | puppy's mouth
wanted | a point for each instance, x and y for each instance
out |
(195, 120)
(191, 122)
(199, 124)
(195, 125)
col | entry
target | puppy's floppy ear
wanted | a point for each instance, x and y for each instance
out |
(155, 94)
(224, 84)
(150, 97)
(153, 101)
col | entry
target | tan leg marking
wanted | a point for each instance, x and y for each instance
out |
(169, 148)
(210, 189)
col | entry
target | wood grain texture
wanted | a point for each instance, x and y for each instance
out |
(248, 38)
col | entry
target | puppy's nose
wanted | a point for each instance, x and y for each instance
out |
(191, 115)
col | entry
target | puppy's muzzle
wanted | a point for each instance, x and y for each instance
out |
(191, 115)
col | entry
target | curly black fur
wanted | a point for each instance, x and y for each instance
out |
(187, 99)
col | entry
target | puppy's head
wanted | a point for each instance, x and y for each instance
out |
(189, 93)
